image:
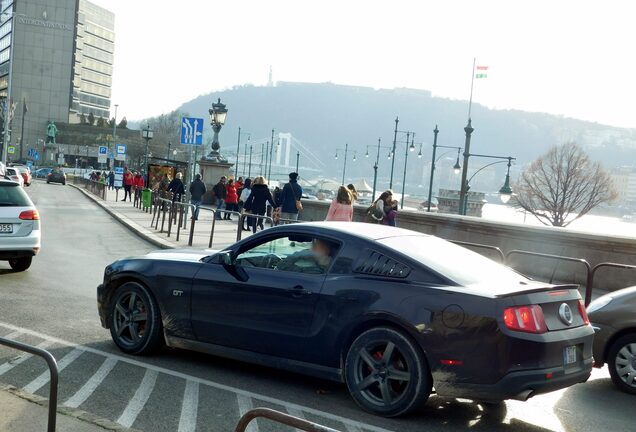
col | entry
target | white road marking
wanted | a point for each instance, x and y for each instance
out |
(136, 404)
(41, 381)
(13, 335)
(189, 407)
(296, 413)
(89, 387)
(201, 381)
(6, 367)
(352, 428)
(245, 404)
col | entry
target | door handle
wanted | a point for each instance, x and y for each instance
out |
(299, 291)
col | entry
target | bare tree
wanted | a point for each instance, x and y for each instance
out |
(563, 185)
(166, 128)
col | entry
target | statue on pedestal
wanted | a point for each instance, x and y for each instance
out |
(51, 132)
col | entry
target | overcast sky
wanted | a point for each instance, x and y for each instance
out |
(575, 58)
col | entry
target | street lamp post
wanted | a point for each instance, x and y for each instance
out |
(463, 190)
(344, 166)
(375, 166)
(271, 148)
(218, 113)
(397, 120)
(456, 168)
(297, 160)
(505, 193)
(249, 171)
(169, 145)
(147, 135)
(406, 158)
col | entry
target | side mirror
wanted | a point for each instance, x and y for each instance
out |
(226, 258)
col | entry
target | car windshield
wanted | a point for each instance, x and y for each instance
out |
(454, 262)
(12, 195)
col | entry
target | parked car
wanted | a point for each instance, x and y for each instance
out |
(390, 312)
(2, 170)
(19, 226)
(25, 172)
(13, 174)
(613, 317)
(56, 176)
(42, 172)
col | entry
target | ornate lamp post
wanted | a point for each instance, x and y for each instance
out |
(456, 168)
(505, 193)
(147, 135)
(377, 160)
(218, 112)
(344, 167)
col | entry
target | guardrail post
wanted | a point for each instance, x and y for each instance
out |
(180, 220)
(163, 216)
(192, 222)
(170, 221)
(212, 230)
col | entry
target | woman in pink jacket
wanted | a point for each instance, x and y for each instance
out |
(341, 208)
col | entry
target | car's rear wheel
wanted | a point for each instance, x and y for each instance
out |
(20, 264)
(621, 361)
(135, 320)
(387, 373)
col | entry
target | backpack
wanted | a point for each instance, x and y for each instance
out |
(374, 214)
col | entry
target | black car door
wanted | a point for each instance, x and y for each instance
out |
(271, 310)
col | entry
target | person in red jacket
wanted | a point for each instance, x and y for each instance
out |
(129, 181)
(139, 185)
(231, 202)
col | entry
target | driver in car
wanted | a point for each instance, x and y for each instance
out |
(314, 260)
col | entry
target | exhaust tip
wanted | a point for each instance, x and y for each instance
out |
(524, 395)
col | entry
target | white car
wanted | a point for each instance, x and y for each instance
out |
(19, 226)
(14, 174)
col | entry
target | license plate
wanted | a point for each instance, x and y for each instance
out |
(6, 228)
(569, 355)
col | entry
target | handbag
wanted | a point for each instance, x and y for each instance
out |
(299, 205)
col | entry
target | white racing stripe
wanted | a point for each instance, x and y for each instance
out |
(44, 378)
(245, 404)
(89, 387)
(136, 404)
(189, 407)
(347, 422)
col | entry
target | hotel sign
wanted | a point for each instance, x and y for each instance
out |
(44, 23)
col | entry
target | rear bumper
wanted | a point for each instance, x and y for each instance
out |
(19, 247)
(520, 385)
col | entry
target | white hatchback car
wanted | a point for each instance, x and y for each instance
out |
(19, 226)
(14, 174)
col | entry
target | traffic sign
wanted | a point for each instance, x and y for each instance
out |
(31, 153)
(103, 150)
(120, 149)
(191, 131)
(11, 149)
(119, 177)
(36, 157)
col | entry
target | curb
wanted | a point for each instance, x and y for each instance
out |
(150, 238)
(67, 411)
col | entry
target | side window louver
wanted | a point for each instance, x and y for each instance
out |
(375, 263)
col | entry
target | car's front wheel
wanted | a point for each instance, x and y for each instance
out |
(621, 361)
(20, 264)
(387, 373)
(135, 320)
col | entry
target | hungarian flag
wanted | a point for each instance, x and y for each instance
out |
(481, 72)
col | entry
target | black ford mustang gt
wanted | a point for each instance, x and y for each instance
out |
(390, 312)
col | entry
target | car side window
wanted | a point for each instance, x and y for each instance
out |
(300, 254)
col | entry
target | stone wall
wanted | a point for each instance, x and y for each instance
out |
(508, 236)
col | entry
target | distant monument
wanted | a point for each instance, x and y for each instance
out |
(51, 132)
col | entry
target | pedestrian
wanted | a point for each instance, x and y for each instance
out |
(245, 194)
(220, 193)
(341, 208)
(257, 201)
(231, 200)
(111, 180)
(290, 198)
(139, 185)
(176, 187)
(391, 214)
(375, 212)
(197, 190)
(128, 183)
(354, 192)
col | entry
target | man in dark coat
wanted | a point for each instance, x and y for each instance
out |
(290, 197)
(176, 187)
(197, 190)
(220, 192)
(257, 201)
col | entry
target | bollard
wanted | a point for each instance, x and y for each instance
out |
(163, 216)
(180, 220)
(170, 221)
(212, 231)
(192, 221)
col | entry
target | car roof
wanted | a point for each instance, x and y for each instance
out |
(358, 229)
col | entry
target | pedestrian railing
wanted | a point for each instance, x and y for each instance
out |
(254, 219)
(54, 375)
(281, 418)
(94, 187)
(495, 249)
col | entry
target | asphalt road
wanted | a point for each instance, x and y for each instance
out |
(53, 304)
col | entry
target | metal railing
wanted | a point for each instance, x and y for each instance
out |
(279, 417)
(500, 254)
(254, 219)
(54, 375)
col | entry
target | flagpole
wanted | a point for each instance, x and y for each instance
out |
(472, 82)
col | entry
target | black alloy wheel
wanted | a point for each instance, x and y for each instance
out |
(387, 373)
(135, 320)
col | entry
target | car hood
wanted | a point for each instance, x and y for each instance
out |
(180, 254)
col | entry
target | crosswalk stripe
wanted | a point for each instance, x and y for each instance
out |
(295, 412)
(245, 405)
(6, 367)
(189, 407)
(13, 335)
(44, 378)
(89, 387)
(136, 404)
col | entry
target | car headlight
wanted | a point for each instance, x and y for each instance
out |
(599, 303)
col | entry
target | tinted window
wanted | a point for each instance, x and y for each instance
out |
(13, 196)
(454, 262)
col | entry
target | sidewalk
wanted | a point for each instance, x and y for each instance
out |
(23, 412)
(139, 222)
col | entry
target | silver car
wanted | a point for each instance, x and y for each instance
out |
(19, 226)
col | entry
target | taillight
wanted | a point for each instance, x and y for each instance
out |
(29, 215)
(527, 319)
(583, 312)
(49, 174)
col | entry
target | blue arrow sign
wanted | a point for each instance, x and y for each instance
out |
(191, 131)
(31, 152)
